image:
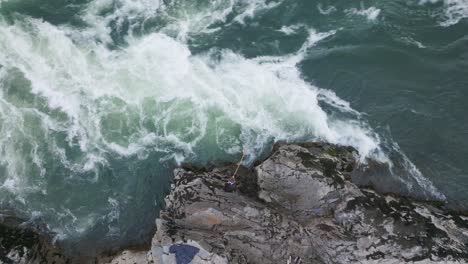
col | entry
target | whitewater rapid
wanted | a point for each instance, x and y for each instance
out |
(70, 100)
(454, 10)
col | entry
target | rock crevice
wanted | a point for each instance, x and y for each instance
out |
(300, 206)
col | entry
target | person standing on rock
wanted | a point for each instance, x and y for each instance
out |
(230, 185)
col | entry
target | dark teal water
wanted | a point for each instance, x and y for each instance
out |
(99, 100)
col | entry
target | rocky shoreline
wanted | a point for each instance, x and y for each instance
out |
(297, 206)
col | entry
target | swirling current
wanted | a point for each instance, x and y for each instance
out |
(101, 99)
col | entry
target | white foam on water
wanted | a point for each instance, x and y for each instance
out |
(413, 42)
(286, 65)
(454, 10)
(180, 18)
(11, 123)
(186, 18)
(155, 95)
(97, 15)
(370, 13)
(292, 29)
(254, 6)
(247, 92)
(326, 11)
(416, 175)
(113, 215)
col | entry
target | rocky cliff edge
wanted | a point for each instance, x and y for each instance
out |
(300, 206)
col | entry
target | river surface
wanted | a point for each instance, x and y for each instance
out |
(100, 99)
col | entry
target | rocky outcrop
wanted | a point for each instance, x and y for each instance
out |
(299, 206)
(23, 242)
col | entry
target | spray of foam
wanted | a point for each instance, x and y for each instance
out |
(370, 13)
(178, 18)
(101, 13)
(325, 11)
(153, 94)
(454, 10)
(253, 7)
(265, 95)
(290, 30)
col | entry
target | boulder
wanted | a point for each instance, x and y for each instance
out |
(300, 206)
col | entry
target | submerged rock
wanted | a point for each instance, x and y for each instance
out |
(22, 242)
(301, 207)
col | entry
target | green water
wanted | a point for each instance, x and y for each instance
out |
(100, 100)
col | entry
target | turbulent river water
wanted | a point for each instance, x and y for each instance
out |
(100, 99)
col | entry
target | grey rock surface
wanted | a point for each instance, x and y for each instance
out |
(297, 206)
(300, 205)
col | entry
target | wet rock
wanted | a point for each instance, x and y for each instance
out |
(297, 206)
(128, 257)
(23, 242)
(303, 207)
